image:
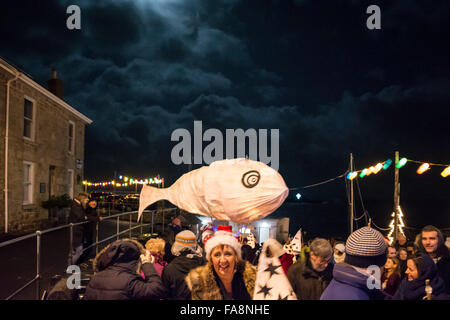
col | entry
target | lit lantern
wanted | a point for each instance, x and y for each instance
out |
(424, 167)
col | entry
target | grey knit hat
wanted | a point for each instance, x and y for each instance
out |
(365, 247)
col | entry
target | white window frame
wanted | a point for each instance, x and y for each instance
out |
(72, 141)
(70, 185)
(33, 120)
(29, 182)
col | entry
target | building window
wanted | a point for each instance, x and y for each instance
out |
(27, 183)
(70, 183)
(28, 119)
(71, 137)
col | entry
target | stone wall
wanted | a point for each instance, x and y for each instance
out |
(49, 147)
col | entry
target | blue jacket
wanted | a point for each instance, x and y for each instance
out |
(349, 284)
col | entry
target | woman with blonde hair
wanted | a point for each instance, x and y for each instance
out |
(156, 248)
(226, 276)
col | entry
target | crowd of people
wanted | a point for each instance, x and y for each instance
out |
(219, 266)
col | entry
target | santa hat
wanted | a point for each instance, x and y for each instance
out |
(222, 236)
(206, 234)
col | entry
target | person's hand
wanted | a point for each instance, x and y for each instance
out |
(147, 257)
(100, 218)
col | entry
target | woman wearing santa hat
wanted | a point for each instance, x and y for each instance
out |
(226, 276)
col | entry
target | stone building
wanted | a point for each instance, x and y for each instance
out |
(41, 148)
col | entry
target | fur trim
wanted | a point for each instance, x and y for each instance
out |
(224, 238)
(203, 285)
(97, 257)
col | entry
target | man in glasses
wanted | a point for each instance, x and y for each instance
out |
(310, 278)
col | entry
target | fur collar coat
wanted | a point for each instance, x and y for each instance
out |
(203, 285)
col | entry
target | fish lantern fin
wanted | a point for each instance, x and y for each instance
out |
(149, 195)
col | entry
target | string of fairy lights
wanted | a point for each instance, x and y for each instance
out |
(124, 181)
(424, 166)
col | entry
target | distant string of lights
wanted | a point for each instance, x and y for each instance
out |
(424, 166)
(124, 182)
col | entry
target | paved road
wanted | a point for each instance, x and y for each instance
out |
(18, 260)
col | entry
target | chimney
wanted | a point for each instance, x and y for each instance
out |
(55, 85)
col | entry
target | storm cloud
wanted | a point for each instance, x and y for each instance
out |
(141, 69)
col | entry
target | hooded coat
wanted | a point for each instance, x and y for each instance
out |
(350, 284)
(415, 289)
(116, 274)
(175, 272)
(204, 283)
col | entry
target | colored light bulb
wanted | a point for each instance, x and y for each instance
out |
(387, 163)
(378, 167)
(363, 173)
(446, 172)
(424, 167)
(401, 163)
(352, 175)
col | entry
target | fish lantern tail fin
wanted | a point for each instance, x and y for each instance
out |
(149, 195)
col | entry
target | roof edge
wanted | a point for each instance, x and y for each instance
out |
(5, 65)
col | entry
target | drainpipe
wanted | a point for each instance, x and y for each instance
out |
(7, 148)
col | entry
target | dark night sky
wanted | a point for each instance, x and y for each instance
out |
(141, 69)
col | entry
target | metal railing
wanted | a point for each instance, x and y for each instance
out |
(38, 234)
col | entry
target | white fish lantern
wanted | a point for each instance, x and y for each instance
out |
(240, 190)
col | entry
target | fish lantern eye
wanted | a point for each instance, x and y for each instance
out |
(250, 179)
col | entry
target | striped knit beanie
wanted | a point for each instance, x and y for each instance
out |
(365, 247)
(184, 240)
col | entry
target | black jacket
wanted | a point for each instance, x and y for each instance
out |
(307, 283)
(174, 274)
(77, 214)
(117, 277)
(247, 253)
(443, 266)
(93, 218)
